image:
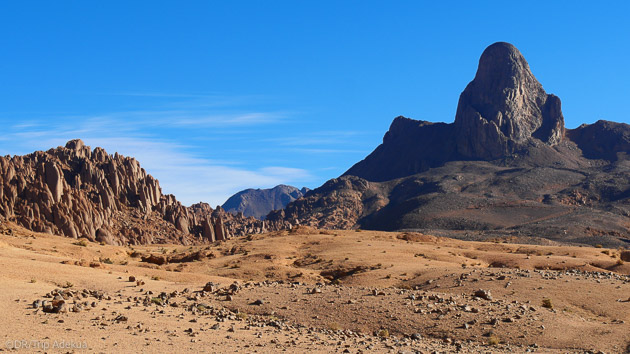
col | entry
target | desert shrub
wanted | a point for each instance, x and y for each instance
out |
(546, 303)
(383, 333)
(493, 340)
(82, 242)
(202, 307)
(334, 326)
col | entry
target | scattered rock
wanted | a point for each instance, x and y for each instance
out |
(483, 294)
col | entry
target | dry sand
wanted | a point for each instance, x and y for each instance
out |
(317, 291)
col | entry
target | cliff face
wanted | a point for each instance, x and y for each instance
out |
(79, 192)
(505, 107)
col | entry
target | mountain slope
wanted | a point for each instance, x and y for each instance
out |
(259, 202)
(505, 167)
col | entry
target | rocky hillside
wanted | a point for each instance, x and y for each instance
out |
(506, 166)
(79, 192)
(259, 202)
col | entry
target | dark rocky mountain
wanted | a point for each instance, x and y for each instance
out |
(502, 112)
(259, 202)
(506, 167)
(79, 192)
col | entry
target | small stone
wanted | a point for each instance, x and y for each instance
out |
(62, 308)
(483, 294)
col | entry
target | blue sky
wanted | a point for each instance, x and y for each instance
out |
(217, 96)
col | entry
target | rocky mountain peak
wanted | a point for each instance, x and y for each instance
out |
(505, 107)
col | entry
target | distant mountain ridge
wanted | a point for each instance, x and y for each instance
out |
(506, 167)
(259, 202)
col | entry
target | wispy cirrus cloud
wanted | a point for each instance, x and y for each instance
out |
(149, 136)
(189, 177)
(200, 147)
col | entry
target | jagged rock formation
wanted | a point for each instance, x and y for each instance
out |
(505, 167)
(259, 202)
(503, 111)
(339, 199)
(504, 107)
(79, 192)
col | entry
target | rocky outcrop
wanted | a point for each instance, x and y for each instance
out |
(602, 139)
(409, 147)
(259, 202)
(504, 107)
(79, 192)
(336, 204)
(502, 111)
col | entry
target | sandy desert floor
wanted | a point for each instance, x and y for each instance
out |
(311, 290)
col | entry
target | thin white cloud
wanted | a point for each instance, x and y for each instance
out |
(191, 143)
(188, 176)
(254, 118)
(192, 179)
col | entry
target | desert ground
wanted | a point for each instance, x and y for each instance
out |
(311, 290)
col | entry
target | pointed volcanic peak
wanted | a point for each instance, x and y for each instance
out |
(503, 111)
(504, 107)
